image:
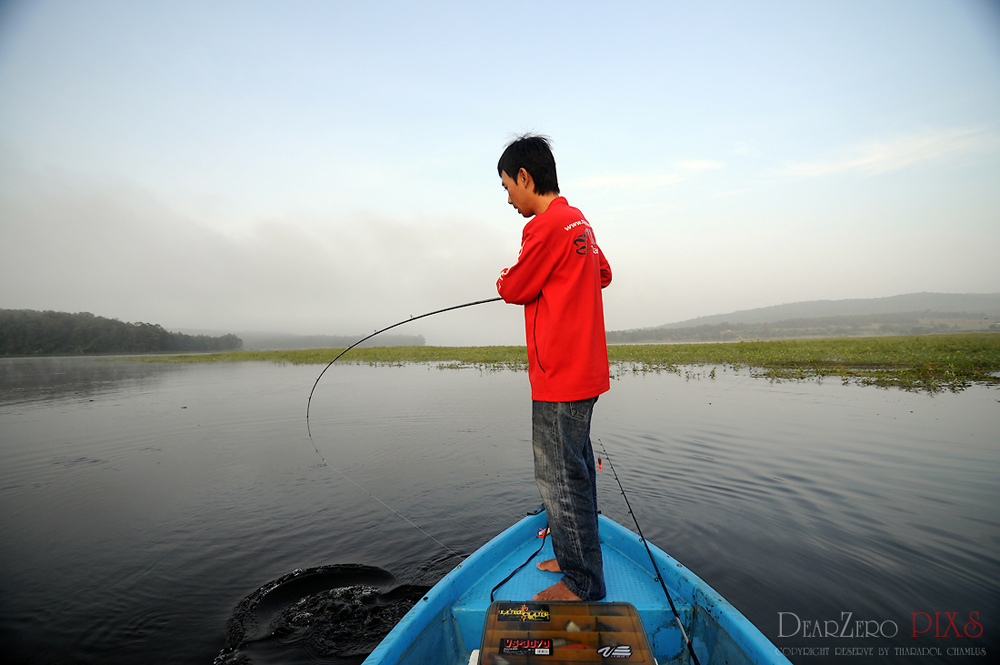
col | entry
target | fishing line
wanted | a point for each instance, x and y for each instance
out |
(344, 475)
(379, 332)
(659, 576)
(394, 511)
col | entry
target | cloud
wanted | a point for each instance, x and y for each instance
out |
(114, 250)
(899, 153)
(701, 165)
(680, 172)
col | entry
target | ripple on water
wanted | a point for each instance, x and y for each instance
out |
(328, 614)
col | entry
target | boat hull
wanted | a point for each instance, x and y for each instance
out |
(446, 625)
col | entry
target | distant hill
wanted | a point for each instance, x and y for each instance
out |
(951, 303)
(911, 314)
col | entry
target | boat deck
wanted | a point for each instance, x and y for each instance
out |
(627, 580)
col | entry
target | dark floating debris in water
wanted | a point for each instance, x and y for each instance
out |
(330, 614)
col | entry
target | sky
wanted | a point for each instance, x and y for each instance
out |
(330, 167)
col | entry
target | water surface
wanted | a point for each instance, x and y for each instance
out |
(139, 504)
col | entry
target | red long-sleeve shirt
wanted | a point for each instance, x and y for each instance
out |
(558, 278)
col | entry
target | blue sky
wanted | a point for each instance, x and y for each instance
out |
(329, 167)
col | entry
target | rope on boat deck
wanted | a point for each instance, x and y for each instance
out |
(659, 576)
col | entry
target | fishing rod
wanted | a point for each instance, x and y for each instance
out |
(659, 576)
(344, 475)
(378, 332)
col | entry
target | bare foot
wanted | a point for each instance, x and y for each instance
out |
(549, 566)
(557, 591)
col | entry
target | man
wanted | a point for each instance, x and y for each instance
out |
(558, 277)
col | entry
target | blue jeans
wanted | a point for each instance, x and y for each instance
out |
(567, 481)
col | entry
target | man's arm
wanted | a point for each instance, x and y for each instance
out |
(605, 269)
(522, 282)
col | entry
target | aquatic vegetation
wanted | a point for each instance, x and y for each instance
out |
(919, 362)
(446, 357)
(924, 362)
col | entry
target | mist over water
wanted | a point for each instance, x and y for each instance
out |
(141, 504)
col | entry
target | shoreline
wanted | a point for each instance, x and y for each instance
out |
(933, 363)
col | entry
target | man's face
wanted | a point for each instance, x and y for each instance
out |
(517, 194)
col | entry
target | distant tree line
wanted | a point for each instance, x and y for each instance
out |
(280, 342)
(25, 332)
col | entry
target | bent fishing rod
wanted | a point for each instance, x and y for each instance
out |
(344, 475)
(659, 575)
(379, 332)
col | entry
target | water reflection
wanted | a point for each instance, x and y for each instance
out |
(40, 379)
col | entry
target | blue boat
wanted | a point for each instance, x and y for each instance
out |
(446, 626)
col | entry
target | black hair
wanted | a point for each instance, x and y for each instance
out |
(533, 154)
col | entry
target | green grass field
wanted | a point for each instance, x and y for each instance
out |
(925, 362)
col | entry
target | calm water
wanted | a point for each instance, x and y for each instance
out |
(140, 503)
